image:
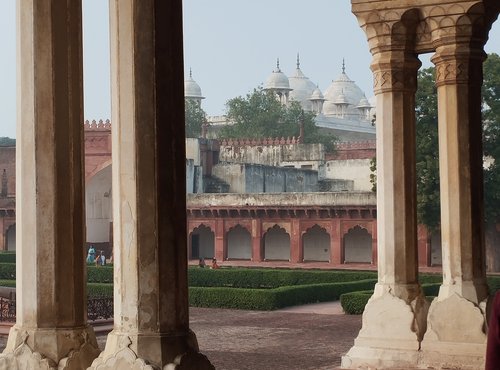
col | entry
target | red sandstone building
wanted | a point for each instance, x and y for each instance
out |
(333, 228)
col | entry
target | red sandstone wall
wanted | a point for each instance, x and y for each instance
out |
(8, 163)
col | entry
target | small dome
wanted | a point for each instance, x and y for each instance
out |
(191, 88)
(278, 80)
(341, 99)
(317, 95)
(363, 103)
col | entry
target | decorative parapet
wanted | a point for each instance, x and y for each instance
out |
(97, 125)
(356, 145)
(260, 142)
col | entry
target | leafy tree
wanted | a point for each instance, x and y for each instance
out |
(428, 206)
(427, 153)
(491, 136)
(7, 141)
(260, 115)
(195, 116)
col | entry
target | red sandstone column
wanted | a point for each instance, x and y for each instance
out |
(424, 246)
(220, 240)
(374, 243)
(3, 235)
(335, 243)
(296, 248)
(256, 240)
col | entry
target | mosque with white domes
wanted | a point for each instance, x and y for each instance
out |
(342, 108)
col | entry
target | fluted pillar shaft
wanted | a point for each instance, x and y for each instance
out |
(51, 277)
(151, 321)
(456, 322)
(394, 320)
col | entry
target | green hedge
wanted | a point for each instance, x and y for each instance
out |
(354, 303)
(8, 271)
(270, 299)
(100, 274)
(7, 257)
(99, 290)
(270, 278)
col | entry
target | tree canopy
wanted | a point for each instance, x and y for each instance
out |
(427, 149)
(261, 115)
(7, 141)
(195, 116)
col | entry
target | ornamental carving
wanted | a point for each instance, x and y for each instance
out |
(457, 72)
(394, 80)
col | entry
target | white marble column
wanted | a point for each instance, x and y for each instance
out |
(151, 324)
(51, 330)
(456, 323)
(394, 319)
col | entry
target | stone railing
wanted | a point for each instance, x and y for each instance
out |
(98, 308)
(260, 142)
(97, 125)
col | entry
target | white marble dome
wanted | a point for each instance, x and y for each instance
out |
(192, 89)
(302, 88)
(277, 80)
(343, 90)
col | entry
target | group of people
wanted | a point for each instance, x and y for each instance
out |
(202, 263)
(99, 260)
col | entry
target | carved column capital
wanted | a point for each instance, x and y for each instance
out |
(394, 74)
(458, 66)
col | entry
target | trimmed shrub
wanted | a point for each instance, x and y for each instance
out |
(8, 271)
(354, 303)
(270, 299)
(99, 290)
(7, 257)
(100, 274)
(270, 278)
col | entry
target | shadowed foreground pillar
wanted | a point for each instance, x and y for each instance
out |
(51, 330)
(151, 321)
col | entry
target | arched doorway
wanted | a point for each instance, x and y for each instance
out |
(202, 243)
(239, 243)
(10, 238)
(277, 244)
(99, 208)
(316, 242)
(358, 246)
(436, 255)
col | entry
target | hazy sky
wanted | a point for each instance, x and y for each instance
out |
(230, 45)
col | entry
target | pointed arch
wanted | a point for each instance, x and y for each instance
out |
(316, 244)
(358, 245)
(239, 243)
(277, 244)
(202, 242)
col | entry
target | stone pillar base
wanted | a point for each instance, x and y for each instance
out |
(391, 333)
(455, 335)
(172, 353)
(49, 349)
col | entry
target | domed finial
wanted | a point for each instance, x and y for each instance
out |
(190, 73)
(298, 61)
(278, 65)
(343, 65)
